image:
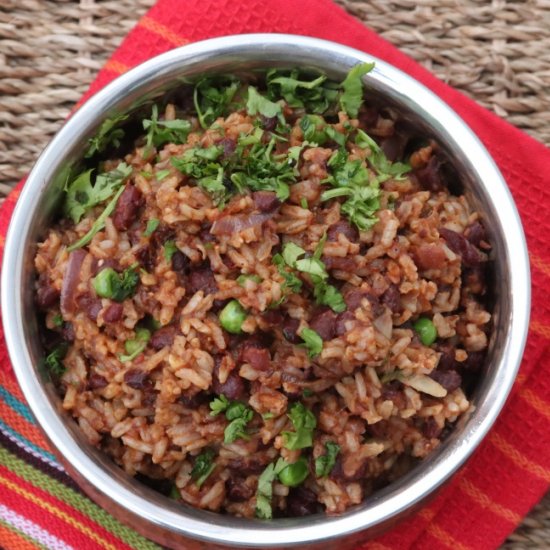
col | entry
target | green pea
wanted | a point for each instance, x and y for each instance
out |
(426, 331)
(105, 282)
(232, 317)
(295, 473)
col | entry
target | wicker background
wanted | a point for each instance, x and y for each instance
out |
(496, 51)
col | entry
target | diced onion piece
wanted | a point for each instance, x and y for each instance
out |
(425, 384)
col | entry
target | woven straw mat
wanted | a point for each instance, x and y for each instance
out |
(498, 52)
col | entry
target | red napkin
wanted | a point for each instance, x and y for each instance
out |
(510, 472)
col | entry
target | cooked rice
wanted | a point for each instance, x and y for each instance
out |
(372, 386)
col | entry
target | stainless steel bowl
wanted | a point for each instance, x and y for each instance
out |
(154, 515)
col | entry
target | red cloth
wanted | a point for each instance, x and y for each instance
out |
(511, 470)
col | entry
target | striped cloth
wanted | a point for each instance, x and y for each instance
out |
(40, 506)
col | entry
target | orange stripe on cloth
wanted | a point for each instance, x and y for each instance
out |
(479, 497)
(162, 30)
(10, 383)
(531, 398)
(116, 66)
(54, 511)
(29, 431)
(540, 328)
(445, 538)
(540, 264)
(517, 458)
(11, 539)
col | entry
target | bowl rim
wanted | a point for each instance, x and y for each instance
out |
(206, 526)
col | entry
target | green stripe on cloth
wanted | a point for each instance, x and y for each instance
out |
(23, 535)
(74, 499)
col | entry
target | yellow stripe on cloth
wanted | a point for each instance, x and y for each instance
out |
(445, 538)
(116, 66)
(485, 501)
(519, 459)
(162, 30)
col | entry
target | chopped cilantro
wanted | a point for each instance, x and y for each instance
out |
(313, 128)
(378, 160)
(135, 346)
(160, 132)
(352, 94)
(236, 429)
(219, 405)
(303, 203)
(203, 467)
(161, 174)
(325, 463)
(175, 492)
(211, 97)
(57, 320)
(324, 293)
(258, 104)
(350, 179)
(81, 196)
(108, 134)
(54, 360)
(267, 415)
(264, 493)
(238, 414)
(307, 392)
(291, 281)
(151, 227)
(304, 423)
(312, 341)
(313, 92)
(99, 224)
(170, 249)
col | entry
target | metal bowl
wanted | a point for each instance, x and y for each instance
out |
(177, 525)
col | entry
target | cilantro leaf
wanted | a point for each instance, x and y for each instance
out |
(203, 467)
(352, 94)
(351, 180)
(304, 423)
(170, 249)
(58, 320)
(98, 225)
(325, 463)
(81, 196)
(238, 414)
(135, 346)
(107, 134)
(160, 132)
(236, 429)
(258, 104)
(328, 295)
(312, 341)
(54, 360)
(314, 93)
(291, 281)
(378, 160)
(151, 227)
(264, 493)
(199, 163)
(219, 405)
(211, 97)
